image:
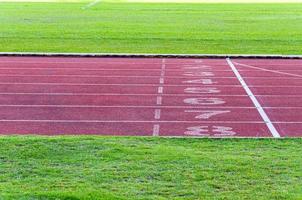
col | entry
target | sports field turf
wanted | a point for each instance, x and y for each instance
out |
(151, 28)
(91, 167)
(149, 168)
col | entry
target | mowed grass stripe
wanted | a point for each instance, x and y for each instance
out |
(151, 28)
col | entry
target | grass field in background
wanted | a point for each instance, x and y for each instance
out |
(151, 28)
(91, 167)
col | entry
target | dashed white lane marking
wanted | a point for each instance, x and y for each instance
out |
(157, 113)
(159, 100)
(89, 5)
(160, 90)
(261, 111)
(161, 80)
(268, 70)
(156, 130)
(156, 127)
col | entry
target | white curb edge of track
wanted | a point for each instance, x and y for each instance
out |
(130, 55)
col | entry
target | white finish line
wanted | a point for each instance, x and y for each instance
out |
(258, 106)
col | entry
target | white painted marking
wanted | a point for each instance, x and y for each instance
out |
(86, 61)
(202, 90)
(207, 131)
(223, 131)
(137, 106)
(201, 81)
(136, 84)
(159, 100)
(206, 114)
(143, 76)
(163, 67)
(202, 67)
(156, 128)
(268, 70)
(160, 90)
(138, 94)
(204, 101)
(161, 80)
(157, 114)
(83, 69)
(258, 106)
(200, 74)
(130, 121)
(128, 94)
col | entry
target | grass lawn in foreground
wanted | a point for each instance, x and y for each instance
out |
(91, 167)
(151, 28)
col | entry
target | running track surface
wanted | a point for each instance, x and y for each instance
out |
(151, 97)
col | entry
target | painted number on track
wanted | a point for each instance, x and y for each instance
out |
(206, 114)
(204, 101)
(206, 131)
(202, 90)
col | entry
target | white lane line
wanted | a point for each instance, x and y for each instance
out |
(161, 80)
(111, 84)
(268, 70)
(100, 60)
(157, 113)
(128, 121)
(101, 69)
(141, 84)
(81, 61)
(147, 69)
(89, 5)
(127, 94)
(143, 76)
(261, 111)
(140, 94)
(136, 106)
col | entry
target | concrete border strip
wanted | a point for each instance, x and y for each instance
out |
(143, 55)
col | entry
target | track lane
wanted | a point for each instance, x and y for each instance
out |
(283, 110)
(121, 96)
(129, 114)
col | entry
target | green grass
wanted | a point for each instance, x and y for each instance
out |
(152, 28)
(149, 168)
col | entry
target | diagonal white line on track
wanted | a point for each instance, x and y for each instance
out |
(258, 106)
(269, 70)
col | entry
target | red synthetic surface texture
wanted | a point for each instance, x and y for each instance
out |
(149, 97)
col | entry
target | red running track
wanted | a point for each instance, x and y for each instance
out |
(151, 97)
